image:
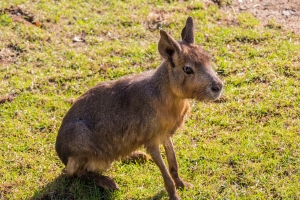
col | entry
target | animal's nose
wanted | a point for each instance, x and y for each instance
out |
(216, 87)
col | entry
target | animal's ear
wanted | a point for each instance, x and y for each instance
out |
(187, 33)
(167, 46)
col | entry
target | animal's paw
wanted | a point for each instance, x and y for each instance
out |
(180, 184)
(137, 157)
(106, 183)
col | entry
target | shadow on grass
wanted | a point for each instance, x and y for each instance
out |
(65, 188)
(158, 196)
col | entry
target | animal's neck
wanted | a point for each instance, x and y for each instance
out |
(170, 108)
(161, 82)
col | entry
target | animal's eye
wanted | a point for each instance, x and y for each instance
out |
(188, 70)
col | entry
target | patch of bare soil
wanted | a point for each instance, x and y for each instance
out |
(283, 12)
(7, 55)
(156, 19)
(10, 54)
(5, 188)
(6, 98)
(19, 15)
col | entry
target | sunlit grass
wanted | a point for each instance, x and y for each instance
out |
(246, 146)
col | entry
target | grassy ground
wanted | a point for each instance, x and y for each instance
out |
(245, 146)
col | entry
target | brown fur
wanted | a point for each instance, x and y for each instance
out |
(114, 119)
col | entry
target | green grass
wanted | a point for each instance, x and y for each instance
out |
(246, 146)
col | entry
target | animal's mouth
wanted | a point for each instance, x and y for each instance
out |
(209, 95)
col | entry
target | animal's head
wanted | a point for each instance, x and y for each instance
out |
(189, 67)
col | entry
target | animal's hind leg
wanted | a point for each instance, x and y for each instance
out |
(137, 156)
(72, 166)
(76, 167)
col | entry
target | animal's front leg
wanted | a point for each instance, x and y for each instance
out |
(169, 184)
(173, 165)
